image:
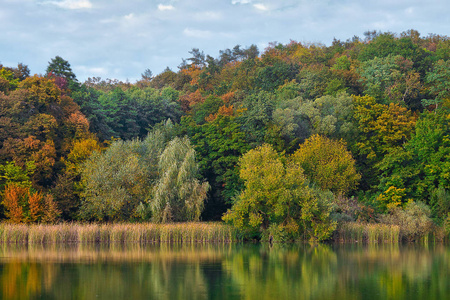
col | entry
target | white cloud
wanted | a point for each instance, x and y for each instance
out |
(129, 17)
(163, 7)
(208, 16)
(88, 71)
(197, 33)
(72, 4)
(241, 1)
(260, 6)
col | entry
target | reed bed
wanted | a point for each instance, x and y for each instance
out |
(352, 232)
(118, 233)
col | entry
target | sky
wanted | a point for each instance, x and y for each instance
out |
(120, 39)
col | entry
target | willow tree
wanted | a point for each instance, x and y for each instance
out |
(117, 181)
(179, 195)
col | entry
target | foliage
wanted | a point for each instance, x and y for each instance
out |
(414, 220)
(381, 127)
(421, 166)
(328, 164)
(277, 198)
(23, 205)
(391, 79)
(218, 145)
(179, 195)
(117, 180)
(61, 68)
(330, 116)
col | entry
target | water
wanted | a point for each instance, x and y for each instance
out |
(224, 272)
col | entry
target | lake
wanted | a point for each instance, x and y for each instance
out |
(224, 271)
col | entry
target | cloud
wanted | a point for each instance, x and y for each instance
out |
(71, 4)
(241, 1)
(197, 33)
(129, 16)
(163, 7)
(260, 6)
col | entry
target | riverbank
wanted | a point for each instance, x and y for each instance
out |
(193, 232)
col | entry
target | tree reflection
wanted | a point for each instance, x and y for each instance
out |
(196, 271)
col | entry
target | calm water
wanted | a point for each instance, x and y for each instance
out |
(225, 272)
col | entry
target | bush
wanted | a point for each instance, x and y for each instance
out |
(414, 220)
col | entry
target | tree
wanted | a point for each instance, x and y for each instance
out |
(61, 68)
(330, 116)
(277, 200)
(24, 205)
(328, 164)
(381, 127)
(438, 81)
(391, 79)
(117, 180)
(422, 165)
(179, 195)
(218, 145)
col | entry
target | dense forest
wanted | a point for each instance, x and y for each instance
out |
(291, 141)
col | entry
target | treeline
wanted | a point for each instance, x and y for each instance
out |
(288, 143)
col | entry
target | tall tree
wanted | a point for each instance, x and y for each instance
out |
(60, 67)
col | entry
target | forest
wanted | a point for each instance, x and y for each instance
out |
(291, 142)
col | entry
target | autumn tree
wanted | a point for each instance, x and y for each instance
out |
(328, 164)
(277, 201)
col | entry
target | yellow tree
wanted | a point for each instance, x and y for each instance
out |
(277, 201)
(328, 163)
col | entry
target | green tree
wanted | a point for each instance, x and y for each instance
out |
(218, 145)
(422, 165)
(438, 81)
(119, 179)
(61, 68)
(391, 79)
(277, 200)
(330, 116)
(178, 195)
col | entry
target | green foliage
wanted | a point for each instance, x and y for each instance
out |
(438, 81)
(330, 116)
(414, 220)
(127, 114)
(126, 179)
(440, 203)
(179, 195)
(218, 145)
(271, 77)
(381, 127)
(422, 165)
(60, 67)
(10, 172)
(202, 110)
(7, 80)
(391, 79)
(118, 179)
(277, 199)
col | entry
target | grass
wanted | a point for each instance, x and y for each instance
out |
(117, 233)
(351, 232)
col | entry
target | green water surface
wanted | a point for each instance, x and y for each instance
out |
(232, 271)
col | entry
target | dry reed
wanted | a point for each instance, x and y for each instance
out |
(351, 232)
(118, 233)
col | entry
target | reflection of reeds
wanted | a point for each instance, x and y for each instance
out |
(118, 233)
(367, 232)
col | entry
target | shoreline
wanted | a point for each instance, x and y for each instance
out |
(190, 232)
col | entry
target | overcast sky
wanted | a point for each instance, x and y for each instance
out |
(121, 38)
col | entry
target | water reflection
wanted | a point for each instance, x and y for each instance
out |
(233, 271)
